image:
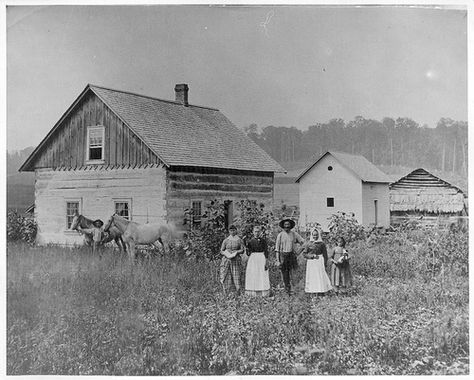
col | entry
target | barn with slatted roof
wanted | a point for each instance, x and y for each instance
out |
(147, 159)
(422, 194)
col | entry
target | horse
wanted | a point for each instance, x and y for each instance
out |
(134, 233)
(81, 222)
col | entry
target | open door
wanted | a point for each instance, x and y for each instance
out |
(228, 213)
(376, 212)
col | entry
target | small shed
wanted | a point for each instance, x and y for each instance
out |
(347, 183)
(421, 194)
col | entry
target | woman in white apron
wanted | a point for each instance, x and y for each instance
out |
(317, 280)
(257, 281)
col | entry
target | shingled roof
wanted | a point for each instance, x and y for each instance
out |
(181, 134)
(187, 135)
(359, 165)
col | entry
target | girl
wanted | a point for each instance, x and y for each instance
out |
(231, 248)
(257, 281)
(317, 280)
(340, 270)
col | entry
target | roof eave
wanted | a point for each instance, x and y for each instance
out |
(26, 165)
(310, 167)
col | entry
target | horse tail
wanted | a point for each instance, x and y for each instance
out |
(174, 232)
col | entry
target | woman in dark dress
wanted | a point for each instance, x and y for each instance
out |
(257, 281)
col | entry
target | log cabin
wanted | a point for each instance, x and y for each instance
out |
(144, 158)
(426, 198)
(342, 182)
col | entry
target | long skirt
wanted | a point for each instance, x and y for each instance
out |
(257, 281)
(341, 276)
(317, 280)
(229, 275)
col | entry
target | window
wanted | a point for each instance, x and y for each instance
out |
(329, 168)
(330, 202)
(72, 207)
(122, 208)
(196, 207)
(95, 143)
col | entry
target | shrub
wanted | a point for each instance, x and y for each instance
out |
(21, 228)
(344, 225)
(205, 241)
(406, 253)
(251, 214)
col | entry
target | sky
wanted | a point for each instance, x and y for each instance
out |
(269, 65)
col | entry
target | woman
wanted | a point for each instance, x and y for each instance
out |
(231, 249)
(257, 281)
(317, 280)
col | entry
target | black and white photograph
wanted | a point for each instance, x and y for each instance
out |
(236, 189)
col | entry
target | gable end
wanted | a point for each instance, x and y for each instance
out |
(66, 144)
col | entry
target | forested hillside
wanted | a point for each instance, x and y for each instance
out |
(394, 145)
(400, 142)
(20, 186)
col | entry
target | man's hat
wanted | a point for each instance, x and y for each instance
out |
(292, 223)
(98, 223)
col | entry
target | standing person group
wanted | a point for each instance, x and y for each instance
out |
(257, 280)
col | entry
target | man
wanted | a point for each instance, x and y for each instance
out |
(95, 231)
(285, 251)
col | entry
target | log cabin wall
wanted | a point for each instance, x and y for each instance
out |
(187, 184)
(96, 191)
(67, 146)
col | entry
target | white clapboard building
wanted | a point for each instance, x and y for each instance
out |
(347, 183)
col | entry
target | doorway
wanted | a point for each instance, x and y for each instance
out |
(376, 212)
(228, 213)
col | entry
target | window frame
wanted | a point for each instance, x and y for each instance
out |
(196, 222)
(124, 200)
(79, 210)
(95, 160)
(328, 201)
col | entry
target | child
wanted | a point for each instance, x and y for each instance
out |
(317, 280)
(257, 281)
(340, 269)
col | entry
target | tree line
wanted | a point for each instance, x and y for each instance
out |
(393, 142)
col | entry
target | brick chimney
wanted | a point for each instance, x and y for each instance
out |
(181, 92)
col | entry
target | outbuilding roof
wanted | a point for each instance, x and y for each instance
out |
(359, 165)
(422, 191)
(184, 135)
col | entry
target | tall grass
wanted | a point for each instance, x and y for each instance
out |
(69, 312)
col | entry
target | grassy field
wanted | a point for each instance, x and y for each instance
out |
(69, 313)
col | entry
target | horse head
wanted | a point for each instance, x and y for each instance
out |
(75, 221)
(109, 223)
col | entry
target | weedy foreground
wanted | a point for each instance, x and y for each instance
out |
(71, 313)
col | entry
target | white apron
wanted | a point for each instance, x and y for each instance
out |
(317, 280)
(256, 277)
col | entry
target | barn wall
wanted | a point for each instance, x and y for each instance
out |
(379, 192)
(96, 190)
(67, 146)
(185, 185)
(319, 183)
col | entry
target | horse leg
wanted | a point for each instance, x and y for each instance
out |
(120, 245)
(164, 247)
(131, 249)
(157, 246)
(123, 247)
